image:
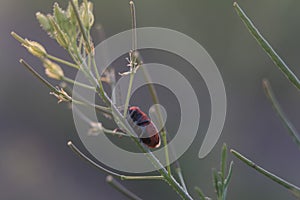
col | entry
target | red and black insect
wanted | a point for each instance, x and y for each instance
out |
(150, 135)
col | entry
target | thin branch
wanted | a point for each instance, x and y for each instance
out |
(44, 81)
(132, 56)
(128, 94)
(54, 89)
(181, 179)
(267, 47)
(294, 189)
(62, 61)
(103, 169)
(78, 83)
(291, 129)
(118, 186)
(97, 107)
(133, 20)
(155, 99)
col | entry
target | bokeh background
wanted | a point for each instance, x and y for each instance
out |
(35, 162)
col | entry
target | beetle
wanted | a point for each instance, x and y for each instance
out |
(150, 135)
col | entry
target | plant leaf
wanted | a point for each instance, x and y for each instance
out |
(267, 47)
(291, 129)
(292, 188)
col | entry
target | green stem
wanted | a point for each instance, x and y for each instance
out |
(267, 47)
(163, 130)
(44, 81)
(156, 163)
(78, 83)
(18, 38)
(91, 162)
(81, 27)
(118, 186)
(97, 107)
(291, 129)
(100, 88)
(98, 77)
(169, 179)
(294, 189)
(112, 132)
(181, 179)
(133, 57)
(133, 21)
(62, 61)
(165, 141)
(142, 178)
(128, 93)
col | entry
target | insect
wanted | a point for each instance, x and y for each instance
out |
(149, 135)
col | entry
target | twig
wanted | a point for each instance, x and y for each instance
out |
(62, 61)
(132, 57)
(291, 129)
(78, 83)
(118, 186)
(103, 169)
(44, 81)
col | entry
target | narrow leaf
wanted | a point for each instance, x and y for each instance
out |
(200, 193)
(291, 129)
(223, 161)
(216, 182)
(292, 188)
(229, 175)
(267, 47)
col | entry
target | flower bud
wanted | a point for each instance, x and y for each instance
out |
(53, 70)
(45, 23)
(35, 48)
(87, 16)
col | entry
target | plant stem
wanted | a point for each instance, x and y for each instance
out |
(133, 20)
(62, 61)
(181, 179)
(165, 141)
(78, 83)
(128, 94)
(267, 47)
(118, 186)
(142, 178)
(132, 56)
(91, 162)
(291, 129)
(163, 130)
(53, 89)
(169, 179)
(294, 189)
(100, 88)
(44, 81)
(97, 107)
(87, 42)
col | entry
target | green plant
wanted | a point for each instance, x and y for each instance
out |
(220, 179)
(71, 30)
(269, 93)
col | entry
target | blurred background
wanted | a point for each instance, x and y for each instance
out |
(35, 162)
